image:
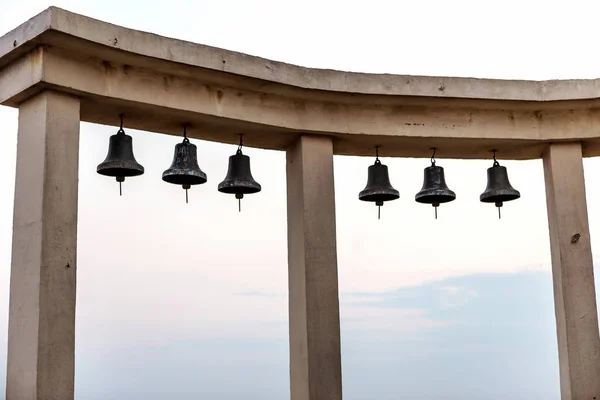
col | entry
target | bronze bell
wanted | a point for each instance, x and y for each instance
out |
(184, 170)
(498, 188)
(379, 188)
(434, 190)
(239, 180)
(120, 161)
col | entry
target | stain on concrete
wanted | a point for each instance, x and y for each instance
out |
(109, 69)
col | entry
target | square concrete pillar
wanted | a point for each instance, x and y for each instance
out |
(315, 360)
(573, 273)
(41, 328)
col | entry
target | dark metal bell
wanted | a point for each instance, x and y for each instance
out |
(434, 190)
(239, 180)
(379, 188)
(120, 161)
(184, 170)
(498, 188)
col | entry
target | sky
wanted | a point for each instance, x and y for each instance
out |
(189, 301)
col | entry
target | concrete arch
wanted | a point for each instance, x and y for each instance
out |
(162, 83)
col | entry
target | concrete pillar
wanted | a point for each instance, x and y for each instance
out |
(41, 328)
(315, 360)
(573, 273)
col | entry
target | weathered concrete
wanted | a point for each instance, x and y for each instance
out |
(41, 333)
(315, 360)
(162, 83)
(98, 37)
(573, 272)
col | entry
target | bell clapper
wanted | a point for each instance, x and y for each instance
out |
(435, 206)
(379, 204)
(239, 196)
(499, 204)
(186, 187)
(120, 179)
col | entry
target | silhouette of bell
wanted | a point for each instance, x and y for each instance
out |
(120, 161)
(434, 190)
(239, 180)
(184, 170)
(378, 189)
(498, 188)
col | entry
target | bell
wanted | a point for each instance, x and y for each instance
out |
(498, 188)
(184, 170)
(239, 180)
(434, 190)
(379, 188)
(120, 161)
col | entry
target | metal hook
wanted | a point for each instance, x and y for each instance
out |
(377, 155)
(495, 161)
(239, 149)
(121, 125)
(185, 138)
(433, 156)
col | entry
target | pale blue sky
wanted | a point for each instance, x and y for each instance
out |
(189, 301)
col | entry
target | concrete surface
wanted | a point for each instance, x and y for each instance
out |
(573, 273)
(315, 358)
(162, 83)
(41, 329)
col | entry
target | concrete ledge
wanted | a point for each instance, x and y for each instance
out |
(162, 83)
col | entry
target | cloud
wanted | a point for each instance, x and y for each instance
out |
(455, 296)
(389, 321)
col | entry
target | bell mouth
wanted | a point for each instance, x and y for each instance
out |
(435, 199)
(120, 171)
(500, 198)
(238, 188)
(184, 179)
(377, 196)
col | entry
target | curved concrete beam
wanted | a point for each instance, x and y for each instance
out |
(162, 83)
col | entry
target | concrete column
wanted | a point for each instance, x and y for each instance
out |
(315, 360)
(41, 328)
(573, 273)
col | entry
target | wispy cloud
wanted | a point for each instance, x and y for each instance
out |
(388, 320)
(455, 296)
